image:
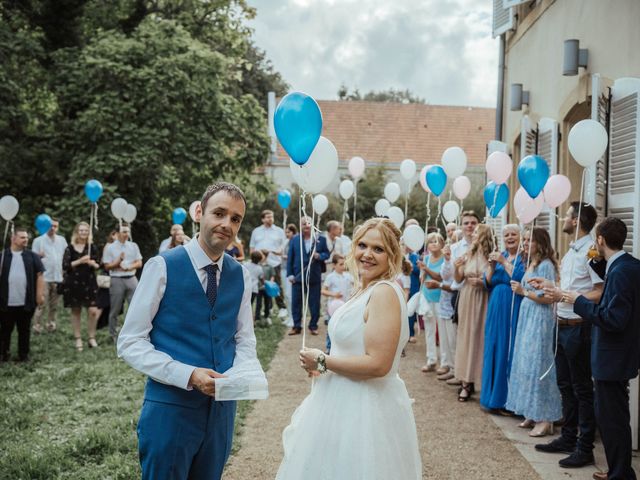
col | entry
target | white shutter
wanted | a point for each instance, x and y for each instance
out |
(500, 221)
(503, 18)
(513, 3)
(528, 137)
(596, 187)
(624, 159)
(548, 149)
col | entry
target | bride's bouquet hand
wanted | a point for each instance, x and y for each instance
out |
(309, 359)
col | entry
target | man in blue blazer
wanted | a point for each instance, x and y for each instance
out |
(615, 344)
(312, 274)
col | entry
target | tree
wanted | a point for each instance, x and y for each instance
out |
(389, 96)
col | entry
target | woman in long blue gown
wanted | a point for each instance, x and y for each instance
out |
(502, 319)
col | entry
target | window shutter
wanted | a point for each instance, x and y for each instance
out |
(547, 148)
(624, 159)
(497, 223)
(503, 18)
(528, 138)
(596, 189)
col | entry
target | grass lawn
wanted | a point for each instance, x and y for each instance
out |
(73, 415)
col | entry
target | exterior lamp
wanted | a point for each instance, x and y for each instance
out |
(574, 57)
(519, 97)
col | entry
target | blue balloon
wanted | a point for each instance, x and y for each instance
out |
(436, 179)
(43, 223)
(93, 190)
(284, 198)
(179, 215)
(496, 197)
(271, 289)
(533, 173)
(298, 124)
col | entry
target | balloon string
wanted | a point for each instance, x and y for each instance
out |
(513, 296)
(355, 203)
(301, 208)
(344, 212)
(406, 199)
(438, 214)
(96, 214)
(4, 240)
(426, 225)
(284, 218)
(575, 239)
(91, 216)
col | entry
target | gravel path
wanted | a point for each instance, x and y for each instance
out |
(457, 440)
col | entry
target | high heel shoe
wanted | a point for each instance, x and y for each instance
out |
(526, 424)
(465, 391)
(542, 429)
(79, 346)
(92, 343)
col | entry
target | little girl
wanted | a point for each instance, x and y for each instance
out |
(432, 265)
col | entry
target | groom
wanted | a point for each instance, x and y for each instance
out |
(189, 322)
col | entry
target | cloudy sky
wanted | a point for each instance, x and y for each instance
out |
(441, 50)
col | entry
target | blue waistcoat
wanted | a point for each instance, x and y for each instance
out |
(189, 330)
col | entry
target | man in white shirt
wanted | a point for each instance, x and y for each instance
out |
(270, 237)
(189, 322)
(164, 245)
(121, 258)
(50, 247)
(337, 243)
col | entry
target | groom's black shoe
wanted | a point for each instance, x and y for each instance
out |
(295, 331)
(556, 446)
(577, 460)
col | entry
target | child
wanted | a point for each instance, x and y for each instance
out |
(338, 285)
(431, 271)
(269, 275)
(257, 278)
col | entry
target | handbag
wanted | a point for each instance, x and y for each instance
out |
(103, 281)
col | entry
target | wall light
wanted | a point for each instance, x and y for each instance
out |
(519, 97)
(574, 57)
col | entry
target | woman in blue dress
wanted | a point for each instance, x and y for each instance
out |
(502, 319)
(533, 391)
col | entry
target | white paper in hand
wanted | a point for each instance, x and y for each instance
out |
(246, 382)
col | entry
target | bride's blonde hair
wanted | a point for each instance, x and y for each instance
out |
(391, 242)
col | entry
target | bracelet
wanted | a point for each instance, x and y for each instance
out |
(321, 363)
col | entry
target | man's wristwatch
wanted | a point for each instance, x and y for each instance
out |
(321, 363)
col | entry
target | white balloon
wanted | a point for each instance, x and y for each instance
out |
(392, 191)
(321, 168)
(346, 189)
(130, 214)
(9, 207)
(413, 237)
(356, 167)
(450, 210)
(192, 209)
(423, 178)
(587, 142)
(396, 215)
(454, 161)
(382, 206)
(461, 187)
(119, 208)
(320, 204)
(408, 169)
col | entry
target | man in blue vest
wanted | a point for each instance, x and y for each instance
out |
(189, 322)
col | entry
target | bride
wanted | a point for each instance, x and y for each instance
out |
(357, 423)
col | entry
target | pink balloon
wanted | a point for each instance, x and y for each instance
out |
(527, 208)
(356, 167)
(333, 305)
(423, 178)
(461, 187)
(499, 167)
(557, 190)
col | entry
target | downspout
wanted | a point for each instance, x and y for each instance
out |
(500, 99)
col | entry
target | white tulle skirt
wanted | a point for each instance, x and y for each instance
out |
(352, 430)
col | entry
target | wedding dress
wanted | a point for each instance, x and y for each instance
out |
(350, 429)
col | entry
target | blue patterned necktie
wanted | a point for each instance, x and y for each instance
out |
(212, 283)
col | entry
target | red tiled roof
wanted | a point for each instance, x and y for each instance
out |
(391, 132)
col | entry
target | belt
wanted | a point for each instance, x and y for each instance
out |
(569, 322)
(124, 277)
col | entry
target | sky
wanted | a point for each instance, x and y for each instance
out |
(441, 50)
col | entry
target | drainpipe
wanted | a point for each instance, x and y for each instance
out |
(500, 101)
(271, 108)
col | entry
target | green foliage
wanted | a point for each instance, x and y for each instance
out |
(390, 96)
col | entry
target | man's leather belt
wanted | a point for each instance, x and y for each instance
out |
(569, 322)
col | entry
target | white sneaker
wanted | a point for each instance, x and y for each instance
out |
(283, 313)
(269, 322)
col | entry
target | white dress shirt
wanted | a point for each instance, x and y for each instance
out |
(458, 249)
(17, 281)
(576, 275)
(131, 254)
(52, 252)
(164, 245)
(272, 239)
(134, 344)
(341, 245)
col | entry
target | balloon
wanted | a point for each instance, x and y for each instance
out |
(495, 201)
(43, 223)
(527, 208)
(320, 204)
(346, 189)
(499, 167)
(412, 304)
(407, 169)
(316, 175)
(436, 179)
(298, 125)
(396, 215)
(450, 210)
(356, 167)
(423, 178)
(131, 213)
(272, 289)
(179, 215)
(587, 142)
(533, 173)
(557, 190)
(333, 305)
(9, 207)
(392, 191)
(284, 198)
(413, 237)
(382, 207)
(192, 209)
(461, 187)
(454, 162)
(119, 207)
(93, 190)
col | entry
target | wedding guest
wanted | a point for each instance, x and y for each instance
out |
(21, 290)
(337, 242)
(472, 310)
(257, 279)
(269, 274)
(164, 245)
(178, 238)
(236, 250)
(502, 319)
(337, 285)
(103, 299)
(533, 391)
(432, 264)
(50, 247)
(414, 258)
(121, 258)
(290, 232)
(615, 356)
(451, 229)
(80, 288)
